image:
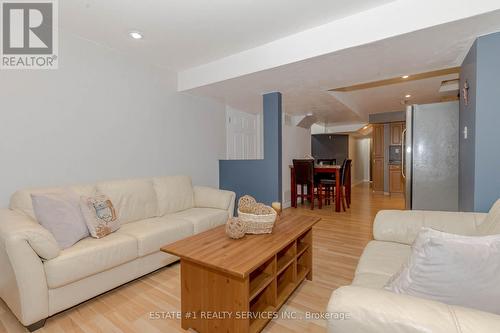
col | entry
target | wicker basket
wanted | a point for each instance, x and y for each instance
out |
(258, 224)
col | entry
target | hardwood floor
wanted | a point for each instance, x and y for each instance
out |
(339, 239)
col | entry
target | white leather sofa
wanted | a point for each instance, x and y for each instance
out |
(37, 280)
(366, 307)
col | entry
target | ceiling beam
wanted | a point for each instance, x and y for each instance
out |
(399, 79)
(449, 98)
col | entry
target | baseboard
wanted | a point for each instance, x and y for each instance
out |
(357, 182)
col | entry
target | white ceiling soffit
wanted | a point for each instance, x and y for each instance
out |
(307, 121)
(354, 128)
(180, 34)
(305, 84)
(389, 20)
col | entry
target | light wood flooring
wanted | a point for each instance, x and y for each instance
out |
(339, 239)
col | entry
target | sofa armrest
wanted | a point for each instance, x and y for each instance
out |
(207, 197)
(376, 310)
(23, 284)
(17, 225)
(402, 226)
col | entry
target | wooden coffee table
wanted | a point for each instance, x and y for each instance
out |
(237, 285)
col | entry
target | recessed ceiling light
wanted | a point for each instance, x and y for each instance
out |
(135, 35)
(405, 76)
(407, 96)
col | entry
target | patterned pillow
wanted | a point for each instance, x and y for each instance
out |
(100, 215)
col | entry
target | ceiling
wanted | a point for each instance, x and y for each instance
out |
(305, 84)
(201, 39)
(180, 34)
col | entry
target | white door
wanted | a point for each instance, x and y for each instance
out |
(242, 135)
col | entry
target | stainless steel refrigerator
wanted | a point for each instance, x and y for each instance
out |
(430, 164)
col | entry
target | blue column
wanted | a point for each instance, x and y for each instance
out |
(259, 178)
(479, 185)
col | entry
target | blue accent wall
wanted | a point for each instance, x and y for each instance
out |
(467, 147)
(480, 152)
(259, 178)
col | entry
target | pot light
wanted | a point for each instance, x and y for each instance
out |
(405, 76)
(407, 96)
(135, 35)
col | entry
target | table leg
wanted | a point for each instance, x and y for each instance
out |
(320, 196)
(348, 189)
(293, 189)
(337, 190)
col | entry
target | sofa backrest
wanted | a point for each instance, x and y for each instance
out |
(21, 200)
(174, 193)
(134, 199)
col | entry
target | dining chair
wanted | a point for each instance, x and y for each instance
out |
(319, 177)
(326, 187)
(345, 179)
(304, 176)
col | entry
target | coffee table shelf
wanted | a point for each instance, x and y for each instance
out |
(257, 282)
(261, 278)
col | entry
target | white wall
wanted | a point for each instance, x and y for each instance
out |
(101, 116)
(359, 153)
(296, 144)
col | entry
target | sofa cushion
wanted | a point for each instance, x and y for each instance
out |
(134, 199)
(379, 261)
(152, 234)
(22, 203)
(207, 197)
(88, 257)
(203, 218)
(174, 194)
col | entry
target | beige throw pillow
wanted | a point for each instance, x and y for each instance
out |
(100, 215)
(491, 225)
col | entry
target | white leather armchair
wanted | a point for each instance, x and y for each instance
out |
(366, 307)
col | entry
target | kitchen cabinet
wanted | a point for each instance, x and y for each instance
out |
(378, 140)
(378, 174)
(378, 157)
(397, 133)
(396, 181)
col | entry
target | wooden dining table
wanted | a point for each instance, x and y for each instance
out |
(323, 169)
